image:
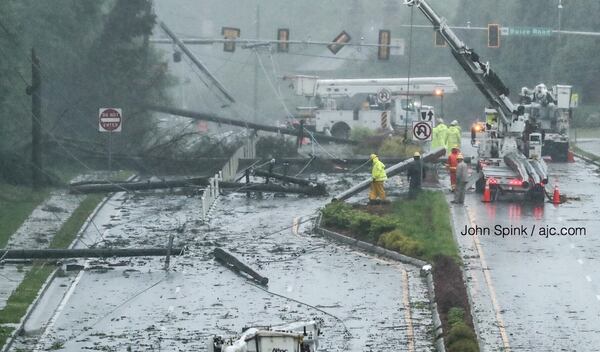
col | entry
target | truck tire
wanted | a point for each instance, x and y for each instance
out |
(537, 194)
(340, 130)
(480, 185)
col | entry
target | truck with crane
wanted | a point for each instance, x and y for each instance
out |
(384, 104)
(509, 144)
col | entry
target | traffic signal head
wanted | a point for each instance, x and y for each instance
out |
(493, 36)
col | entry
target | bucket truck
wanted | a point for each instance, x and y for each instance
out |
(384, 104)
(509, 155)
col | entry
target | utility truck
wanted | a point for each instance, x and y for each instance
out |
(337, 106)
(509, 148)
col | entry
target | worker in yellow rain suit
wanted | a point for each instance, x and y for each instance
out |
(453, 137)
(379, 176)
(440, 132)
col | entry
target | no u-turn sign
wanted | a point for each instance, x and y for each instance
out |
(110, 120)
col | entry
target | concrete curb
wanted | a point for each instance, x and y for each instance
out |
(11, 339)
(437, 322)
(476, 326)
(586, 159)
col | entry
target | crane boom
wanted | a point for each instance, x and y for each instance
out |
(481, 74)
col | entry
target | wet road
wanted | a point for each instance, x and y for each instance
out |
(137, 305)
(591, 145)
(544, 290)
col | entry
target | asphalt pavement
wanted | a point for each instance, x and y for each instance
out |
(133, 304)
(534, 292)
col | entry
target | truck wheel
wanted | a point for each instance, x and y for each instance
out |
(340, 130)
(537, 194)
(480, 185)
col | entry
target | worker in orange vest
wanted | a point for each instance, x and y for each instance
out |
(452, 164)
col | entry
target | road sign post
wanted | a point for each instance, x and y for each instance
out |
(110, 120)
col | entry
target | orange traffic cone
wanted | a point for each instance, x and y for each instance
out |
(556, 195)
(487, 196)
(570, 157)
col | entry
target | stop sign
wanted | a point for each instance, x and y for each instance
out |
(110, 120)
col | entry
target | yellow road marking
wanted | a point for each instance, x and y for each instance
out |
(295, 226)
(407, 314)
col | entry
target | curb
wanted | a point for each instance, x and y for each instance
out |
(476, 326)
(437, 322)
(17, 331)
(586, 159)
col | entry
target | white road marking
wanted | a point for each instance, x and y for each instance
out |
(177, 289)
(598, 297)
(580, 261)
(588, 278)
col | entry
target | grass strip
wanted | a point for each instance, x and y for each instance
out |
(27, 291)
(416, 227)
(16, 204)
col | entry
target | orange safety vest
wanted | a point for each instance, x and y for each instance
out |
(452, 162)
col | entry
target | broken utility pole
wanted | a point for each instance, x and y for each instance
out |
(233, 263)
(249, 125)
(86, 253)
(390, 171)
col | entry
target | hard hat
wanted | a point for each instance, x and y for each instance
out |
(460, 156)
(440, 120)
(454, 123)
(373, 156)
(417, 154)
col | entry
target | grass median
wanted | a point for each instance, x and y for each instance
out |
(419, 228)
(16, 204)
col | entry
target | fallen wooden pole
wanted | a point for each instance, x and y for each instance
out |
(262, 187)
(290, 179)
(233, 263)
(86, 253)
(241, 123)
(104, 187)
(390, 171)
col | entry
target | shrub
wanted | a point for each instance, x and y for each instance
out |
(360, 134)
(459, 331)
(456, 315)
(397, 241)
(463, 345)
(396, 147)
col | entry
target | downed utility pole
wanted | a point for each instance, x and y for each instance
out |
(104, 187)
(233, 263)
(86, 253)
(250, 125)
(290, 179)
(262, 187)
(390, 171)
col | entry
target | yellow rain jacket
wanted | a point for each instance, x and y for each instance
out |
(453, 138)
(378, 171)
(440, 133)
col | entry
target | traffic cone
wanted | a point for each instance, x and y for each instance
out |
(556, 195)
(570, 157)
(487, 196)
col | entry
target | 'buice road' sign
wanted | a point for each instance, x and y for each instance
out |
(422, 130)
(110, 120)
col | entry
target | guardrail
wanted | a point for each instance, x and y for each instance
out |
(227, 173)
